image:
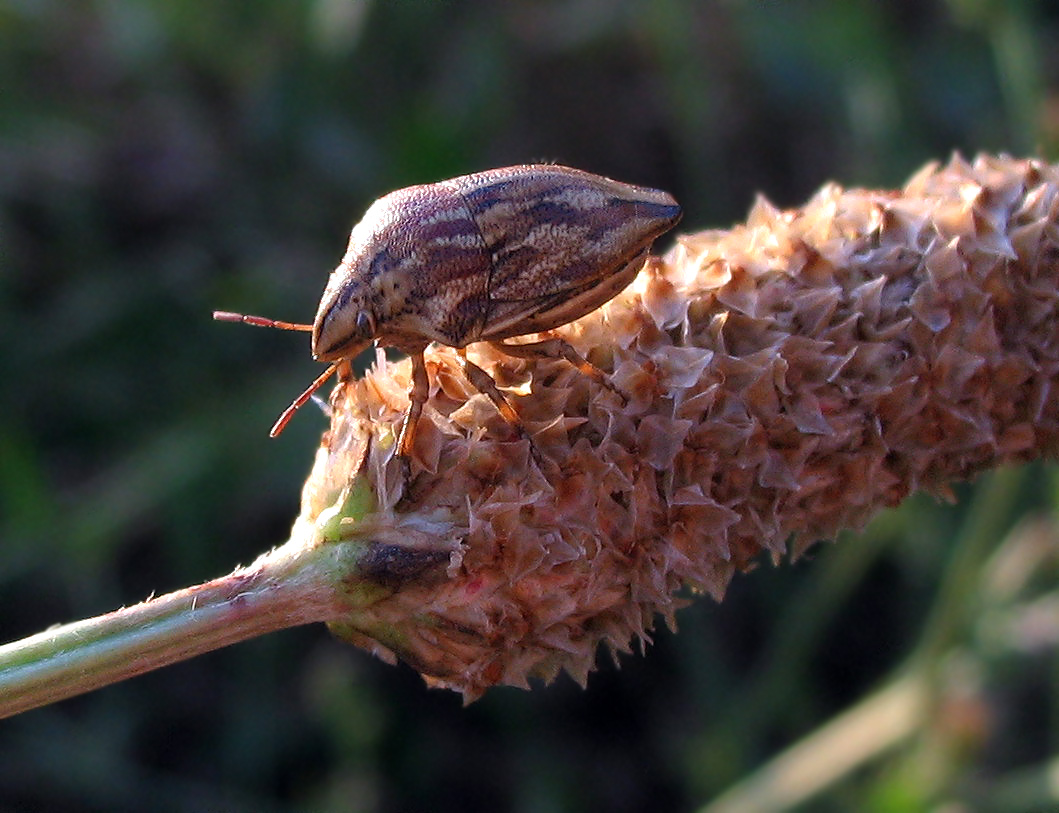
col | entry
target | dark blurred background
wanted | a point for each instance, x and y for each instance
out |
(163, 158)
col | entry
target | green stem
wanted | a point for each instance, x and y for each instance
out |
(292, 585)
(874, 725)
(960, 592)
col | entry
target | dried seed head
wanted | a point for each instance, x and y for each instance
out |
(786, 379)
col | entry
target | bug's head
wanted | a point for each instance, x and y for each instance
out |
(344, 326)
(368, 287)
(348, 317)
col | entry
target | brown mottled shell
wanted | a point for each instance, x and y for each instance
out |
(487, 256)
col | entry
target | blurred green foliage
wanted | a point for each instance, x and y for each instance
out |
(163, 158)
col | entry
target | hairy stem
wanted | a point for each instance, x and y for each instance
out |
(291, 585)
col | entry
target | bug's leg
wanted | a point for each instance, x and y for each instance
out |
(417, 396)
(483, 382)
(558, 348)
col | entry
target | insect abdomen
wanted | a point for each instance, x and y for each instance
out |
(551, 230)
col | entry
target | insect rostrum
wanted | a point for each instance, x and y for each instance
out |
(481, 257)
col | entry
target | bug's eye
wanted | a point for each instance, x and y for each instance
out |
(366, 324)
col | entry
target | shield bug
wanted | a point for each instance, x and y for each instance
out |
(480, 258)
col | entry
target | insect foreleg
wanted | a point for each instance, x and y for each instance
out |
(417, 396)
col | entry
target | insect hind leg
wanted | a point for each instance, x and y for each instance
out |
(483, 382)
(555, 348)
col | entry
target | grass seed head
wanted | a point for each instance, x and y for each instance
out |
(784, 379)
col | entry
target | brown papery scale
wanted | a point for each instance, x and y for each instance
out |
(783, 380)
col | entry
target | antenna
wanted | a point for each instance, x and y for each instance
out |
(259, 321)
(301, 400)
